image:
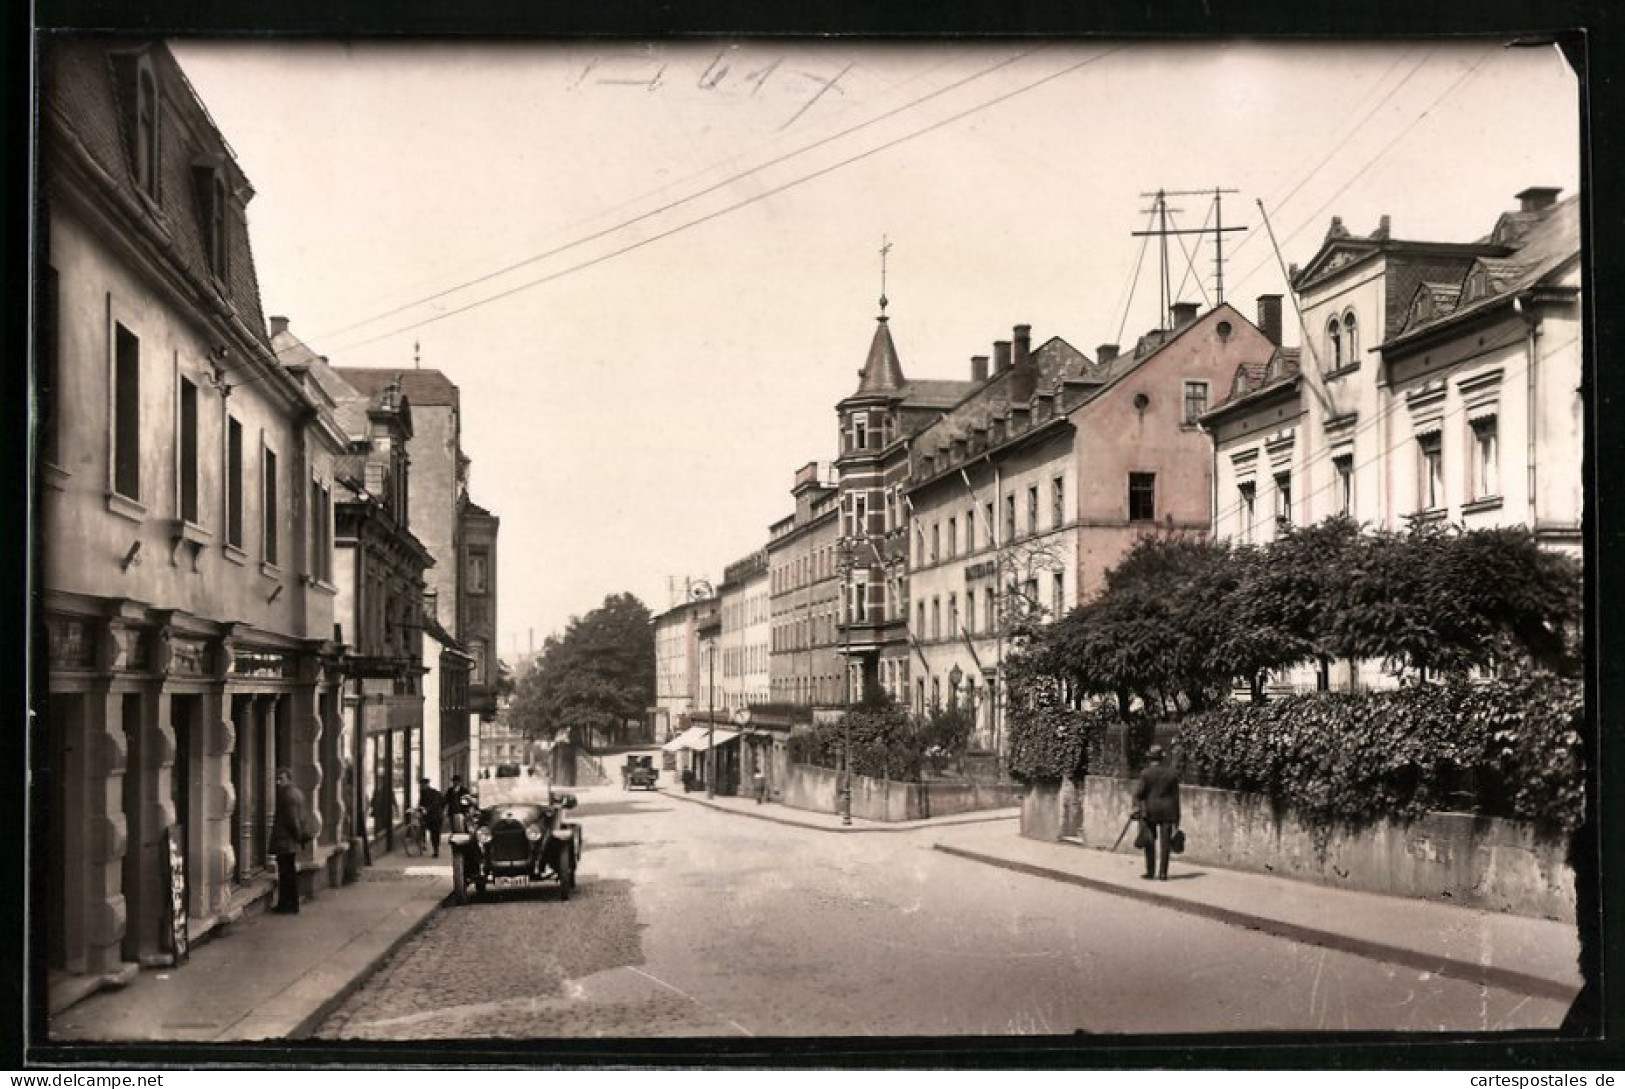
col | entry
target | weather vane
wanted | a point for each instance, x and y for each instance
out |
(885, 248)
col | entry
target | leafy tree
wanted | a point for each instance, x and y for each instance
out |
(592, 679)
(1291, 604)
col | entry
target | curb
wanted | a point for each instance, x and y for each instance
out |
(1484, 974)
(917, 826)
(307, 1026)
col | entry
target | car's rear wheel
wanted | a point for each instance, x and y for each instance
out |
(459, 879)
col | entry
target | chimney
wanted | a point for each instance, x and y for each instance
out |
(1001, 356)
(1384, 224)
(1023, 376)
(1269, 318)
(279, 324)
(1184, 314)
(978, 368)
(1533, 199)
(1105, 354)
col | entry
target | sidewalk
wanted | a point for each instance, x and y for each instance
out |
(1530, 956)
(270, 976)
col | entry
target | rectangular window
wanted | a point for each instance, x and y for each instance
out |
(234, 483)
(1058, 596)
(477, 565)
(188, 452)
(1247, 495)
(269, 508)
(921, 624)
(953, 537)
(321, 532)
(1032, 508)
(988, 522)
(1142, 497)
(1057, 502)
(1283, 499)
(970, 529)
(990, 612)
(860, 433)
(953, 615)
(1486, 459)
(1009, 518)
(126, 413)
(970, 610)
(1195, 401)
(1430, 465)
(936, 541)
(1343, 471)
(936, 618)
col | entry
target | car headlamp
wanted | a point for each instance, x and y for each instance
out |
(533, 833)
(483, 835)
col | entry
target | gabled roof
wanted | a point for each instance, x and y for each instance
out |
(1547, 240)
(422, 387)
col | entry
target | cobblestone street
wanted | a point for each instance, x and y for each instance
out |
(691, 922)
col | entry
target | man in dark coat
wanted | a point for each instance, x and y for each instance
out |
(1156, 801)
(434, 812)
(290, 830)
(459, 804)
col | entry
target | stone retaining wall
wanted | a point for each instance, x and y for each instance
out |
(1458, 858)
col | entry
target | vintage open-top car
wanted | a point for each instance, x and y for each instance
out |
(515, 842)
(639, 772)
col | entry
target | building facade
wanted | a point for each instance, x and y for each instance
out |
(746, 633)
(804, 602)
(185, 486)
(476, 626)
(1438, 382)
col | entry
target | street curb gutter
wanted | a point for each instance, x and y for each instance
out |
(307, 1027)
(1487, 975)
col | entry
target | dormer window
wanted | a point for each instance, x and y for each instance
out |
(146, 129)
(137, 85)
(214, 216)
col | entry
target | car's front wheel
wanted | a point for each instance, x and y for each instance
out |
(567, 873)
(459, 879)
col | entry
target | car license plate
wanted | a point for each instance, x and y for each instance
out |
(502, 882)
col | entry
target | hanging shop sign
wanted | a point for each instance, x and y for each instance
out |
(179, 941)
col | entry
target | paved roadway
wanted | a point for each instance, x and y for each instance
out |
(693, 922)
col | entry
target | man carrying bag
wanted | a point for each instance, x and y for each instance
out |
(1156, 803)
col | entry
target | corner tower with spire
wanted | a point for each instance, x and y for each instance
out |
(876, 423)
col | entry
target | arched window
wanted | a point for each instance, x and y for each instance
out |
(1334, 345)
(1351, 337)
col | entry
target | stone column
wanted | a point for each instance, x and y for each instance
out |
(104, 833)
(148, 779)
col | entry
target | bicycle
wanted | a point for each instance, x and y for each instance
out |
(417, 832)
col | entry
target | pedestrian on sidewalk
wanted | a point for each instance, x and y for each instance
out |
(290, 830)
(1156, 800)
(760, 782)
(434, 811)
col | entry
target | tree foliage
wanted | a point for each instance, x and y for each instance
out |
(1181, 620)
(590, 681)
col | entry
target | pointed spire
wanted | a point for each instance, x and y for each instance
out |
(882, 371)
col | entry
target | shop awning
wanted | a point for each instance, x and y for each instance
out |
(698, 738)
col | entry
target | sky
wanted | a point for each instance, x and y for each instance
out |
(653, 270)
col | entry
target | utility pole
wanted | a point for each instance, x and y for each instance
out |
(1160, 209)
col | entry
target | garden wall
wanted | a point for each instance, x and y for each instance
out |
(817, 789)
(1459, 858)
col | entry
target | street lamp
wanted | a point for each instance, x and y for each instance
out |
(955, 675)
